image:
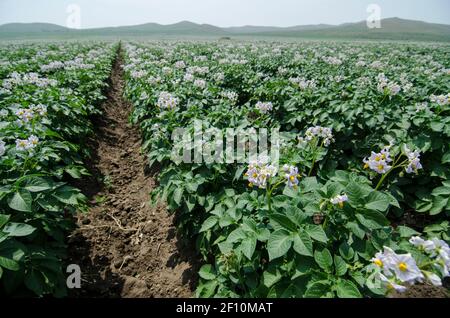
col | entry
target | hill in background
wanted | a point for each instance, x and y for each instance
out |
(392, 29)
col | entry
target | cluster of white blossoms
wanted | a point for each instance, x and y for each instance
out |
(421, 107)
(27, 114)
(230, 95)
(264, 107)
(387, 87)
(167, 101)
(152, 80)
(188, 77)
(2, 147)
(441, 100)
(413, 160)
(17, 79)
(180, 64)
(292, 176)
(219, 77)
(39, 109)
(198, 70)
(200, 83)
(339, 200)
(303, 83)
(166, 70)
(436, 249)
(4, 113)
(27, 144)
(259, 172)
(396, 270)
(332, 60)
(138, 74)
(379, 162)
(324, 133)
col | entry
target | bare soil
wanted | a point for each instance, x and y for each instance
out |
(124, 246)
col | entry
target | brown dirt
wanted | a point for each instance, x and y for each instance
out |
(124, 246)
(423, 291)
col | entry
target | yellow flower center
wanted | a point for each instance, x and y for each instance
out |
(380, 167)
(341, 204)
(403, 267)
(366, 166)
(378, 262)
(255, 175)
(292, 178)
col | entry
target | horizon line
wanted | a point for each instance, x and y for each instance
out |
(221, 27)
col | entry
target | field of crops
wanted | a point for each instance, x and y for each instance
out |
(356, 204)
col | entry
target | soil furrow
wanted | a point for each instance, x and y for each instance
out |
(124, 246)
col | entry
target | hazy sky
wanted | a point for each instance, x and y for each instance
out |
(98, 13)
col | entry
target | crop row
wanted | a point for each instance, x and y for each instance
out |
(364, 135)
(47, 94)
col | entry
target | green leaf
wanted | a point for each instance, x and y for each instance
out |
(356, 193)
(445, 191)
(35, 282)
(177, 195)
(279, 243)
(207, 290)
(323, 259)
(317, 233)
(283, 221)
(4, 219)
(18, 229)
(377, 201)
(271, 276)
(303, 244)
(248, 246)
(340, 265)
(439, 204)
(347, 289)
(209, 223)
(67, 195)
(38, 184)
(373, 220)
(8, 263)
(317, 290)
(446, 157)
(356, 229)
(21, 201)
(239, 173)
(207, 272)
(406, 232)
(437, 126)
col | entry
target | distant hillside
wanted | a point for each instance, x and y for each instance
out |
(392, 29)
(181, 28)
(250, 29)
(24, 28)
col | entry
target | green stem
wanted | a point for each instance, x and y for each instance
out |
(315, 157)
(324, 225)
(269, 200)
(394, 166)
